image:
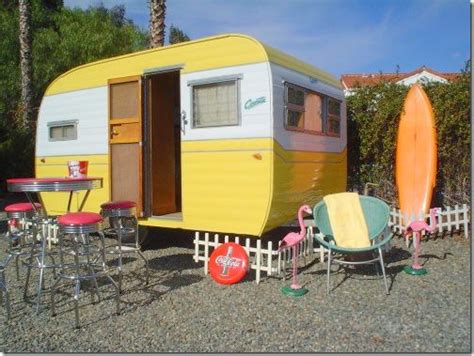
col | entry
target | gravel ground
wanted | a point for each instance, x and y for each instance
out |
(182, 310)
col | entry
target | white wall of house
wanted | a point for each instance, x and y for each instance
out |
(423, 76)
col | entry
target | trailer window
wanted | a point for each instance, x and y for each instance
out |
(215, 104)
(334, 117)
(295, 105)
(313, 112)
(62, 130)
(125, 100)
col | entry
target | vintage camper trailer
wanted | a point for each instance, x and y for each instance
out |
(219, 134)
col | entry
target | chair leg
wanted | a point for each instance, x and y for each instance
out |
(328, 271)
(77, 287)
(104, 266)
(117, 293)
(383, 271)
(30, 265)
(92, 273)
(376, 265)
(41, 278)
(77, 291)
(119, 237)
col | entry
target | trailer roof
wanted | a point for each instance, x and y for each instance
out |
(203, 54)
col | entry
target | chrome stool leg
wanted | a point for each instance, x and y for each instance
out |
(4, 291)
(88, 258)
(119, 239)
(30, 263)
(104, 264)
(41, 266)
(124, 215)
(38, 259)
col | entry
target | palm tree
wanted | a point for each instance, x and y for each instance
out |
(157, 23)
(26, 62)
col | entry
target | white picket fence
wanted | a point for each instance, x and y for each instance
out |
(49, 229)
(263, 259)
(273, 262)
(450, 220)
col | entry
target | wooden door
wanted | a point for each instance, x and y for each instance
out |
(125, 140)
(165, 142)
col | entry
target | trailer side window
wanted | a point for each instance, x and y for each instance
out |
(215, 104)
(295, 107)
(62, 130)
(311, 112)
(334, 117)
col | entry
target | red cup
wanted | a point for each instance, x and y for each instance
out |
(77, 169)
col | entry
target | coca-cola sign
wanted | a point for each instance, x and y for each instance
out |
(228, 263)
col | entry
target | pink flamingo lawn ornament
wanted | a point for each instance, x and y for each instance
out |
(292, 239)
(415, 228)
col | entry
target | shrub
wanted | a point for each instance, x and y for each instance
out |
(373, 115)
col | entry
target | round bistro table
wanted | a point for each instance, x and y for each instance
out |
(55, 184)
(31, 186)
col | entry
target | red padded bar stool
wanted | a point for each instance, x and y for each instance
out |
(80, 258)
(124, 228)
(21, 229)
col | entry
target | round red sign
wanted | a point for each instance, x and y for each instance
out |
(228, 263)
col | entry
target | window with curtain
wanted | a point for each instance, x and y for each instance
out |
(216, 104)
(313, 112)
(334, 117)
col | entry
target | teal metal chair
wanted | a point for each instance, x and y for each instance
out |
(376, 214)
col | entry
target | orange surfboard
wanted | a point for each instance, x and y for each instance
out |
(416, 154)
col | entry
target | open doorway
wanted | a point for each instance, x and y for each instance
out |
(164, 144)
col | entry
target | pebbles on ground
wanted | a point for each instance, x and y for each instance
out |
(182, 310)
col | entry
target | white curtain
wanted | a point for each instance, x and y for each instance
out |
(215, 104)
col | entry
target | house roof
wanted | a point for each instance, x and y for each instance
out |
(350, 81)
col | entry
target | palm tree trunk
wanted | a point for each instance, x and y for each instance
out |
(26, 62)
(157, 23)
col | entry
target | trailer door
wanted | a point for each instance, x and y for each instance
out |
(125, 140)
(162, 144)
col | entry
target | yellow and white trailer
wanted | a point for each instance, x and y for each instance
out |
(220, 134)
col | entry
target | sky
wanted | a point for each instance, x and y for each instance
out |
(339, 36)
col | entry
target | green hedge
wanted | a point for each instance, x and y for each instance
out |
(373, 115)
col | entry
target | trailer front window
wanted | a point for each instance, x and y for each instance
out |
(215, 104)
